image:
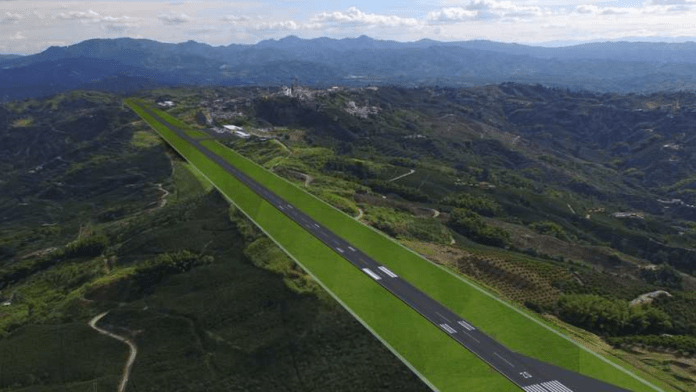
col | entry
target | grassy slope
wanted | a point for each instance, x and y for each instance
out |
(512, 328)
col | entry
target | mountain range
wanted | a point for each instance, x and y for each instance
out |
(131, 64)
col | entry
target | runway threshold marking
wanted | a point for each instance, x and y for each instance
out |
(535, 388)
(372, 274)
(448, 328)
(466, 325)
(339, 249)
(555, 386)
(386, 271)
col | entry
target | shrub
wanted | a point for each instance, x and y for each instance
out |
(478, 204)
(471, 225)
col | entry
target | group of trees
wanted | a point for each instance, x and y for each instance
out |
(154, 270)
(471, 225)
(549, 228)
(408, 193)
(611, 317)
(480, 205)
(664, 276)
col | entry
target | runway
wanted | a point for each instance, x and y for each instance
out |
(529, 374)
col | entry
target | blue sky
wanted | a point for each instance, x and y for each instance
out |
(28, 26)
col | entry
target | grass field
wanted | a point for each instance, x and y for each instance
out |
(511, 326)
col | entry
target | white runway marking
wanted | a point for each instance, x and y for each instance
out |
(448, 328)
(555, 386)
(471, 337)
(281, 207)
(535, 388)
(351, 249)
(372, 274)
(339, 249)
(466, 325)
(443, 317)
(316, 225)
(386, 271)
(506, 361)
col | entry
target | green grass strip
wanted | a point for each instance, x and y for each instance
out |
(512, 326)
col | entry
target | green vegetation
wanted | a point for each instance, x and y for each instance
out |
(612, 317)
(686, 345)
(144, 139)
(176, 272)
(403, 225)
(496, 319)
(355, 289)
(480, 205)
(549, 228)
(23, 122)
(471, 225)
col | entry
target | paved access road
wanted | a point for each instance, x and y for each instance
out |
(529, 374)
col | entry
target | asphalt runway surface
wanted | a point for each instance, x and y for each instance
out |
(528, 373)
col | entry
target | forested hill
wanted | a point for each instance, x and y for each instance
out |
(131, 64)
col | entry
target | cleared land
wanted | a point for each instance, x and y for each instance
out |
(443, 363)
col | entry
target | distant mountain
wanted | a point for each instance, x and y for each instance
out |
(606, 66)
(5, 57)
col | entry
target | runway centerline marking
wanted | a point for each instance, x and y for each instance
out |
(443, 317)
(501, 357)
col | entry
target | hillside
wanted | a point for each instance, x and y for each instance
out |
(569, 204)
(138, 64)
(526, 189)
(97, 215)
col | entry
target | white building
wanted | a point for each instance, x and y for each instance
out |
(233, 128)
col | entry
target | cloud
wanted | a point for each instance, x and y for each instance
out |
(453, 14)
(353, 16)
(591, 9)
(174, 19)
(78, 15)
(11, 17)
(486, 9)
(18, 36)
(279, 25)
(670, 2)
(235, 18)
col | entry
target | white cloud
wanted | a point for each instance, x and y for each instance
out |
(235, 18)
(174, 19)
(452, 14)
(487, 9)
(11, 17)
(670, 2)
(79, 15)
(279, 25)
(18, 36)
(591, 9)
(354, 16)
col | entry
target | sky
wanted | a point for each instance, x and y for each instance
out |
(28, 26)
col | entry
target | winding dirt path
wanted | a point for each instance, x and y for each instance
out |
(133, 350)
(360, 214)
(402, 176)
(163, 199)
